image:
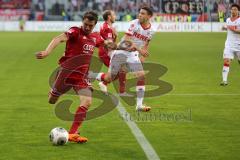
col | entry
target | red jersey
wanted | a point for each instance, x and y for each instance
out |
(107, 32)
(79, 50)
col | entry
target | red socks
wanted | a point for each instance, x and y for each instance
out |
(122, 82)
(102, 77)
(141, 82)
(79, 117)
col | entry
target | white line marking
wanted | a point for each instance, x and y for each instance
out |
(142, 140)
(202, 94)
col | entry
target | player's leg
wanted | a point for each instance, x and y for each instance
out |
(136, 67)
(122, 75)
(103, 84)
(225, 71)
(140, 90)
(60, 86)
(122, 81)
(107, 78)
(105, 60)
(238, 56)
(117, 69)
(85, 96)
(227, 57)
(117, 60)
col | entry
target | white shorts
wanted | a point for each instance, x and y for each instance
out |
(124, 59)
(230, 53)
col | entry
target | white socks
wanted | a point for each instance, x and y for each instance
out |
(140, 95)
(99, 76)
(225, 72)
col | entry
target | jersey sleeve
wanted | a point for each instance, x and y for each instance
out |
(99, 41)
(131, 28)
(72, 33)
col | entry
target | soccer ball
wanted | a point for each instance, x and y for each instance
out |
(58, 136)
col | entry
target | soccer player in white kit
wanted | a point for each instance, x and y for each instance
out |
(232, 44)
(132, 48)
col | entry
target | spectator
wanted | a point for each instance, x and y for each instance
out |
(40, 6)
(123, 8)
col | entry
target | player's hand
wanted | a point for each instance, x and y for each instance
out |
(142, 59)
(110, 45)
(232, 28)
(224, 28)
(41, 54)
(144, 52)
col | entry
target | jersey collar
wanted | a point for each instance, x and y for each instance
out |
(234, 19)
(145, 28)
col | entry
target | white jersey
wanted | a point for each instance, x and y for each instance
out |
(233, 39)
(139, 35)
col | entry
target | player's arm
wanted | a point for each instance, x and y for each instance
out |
(224, 28)
(115, 34)
(235, 29)
(143, 51)
(145, 47)
(53, 44)
(109, 44)
(127, 37)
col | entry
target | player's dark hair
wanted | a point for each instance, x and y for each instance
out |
(91, 15)
(106, 14)
(148, 9)
(235, 5)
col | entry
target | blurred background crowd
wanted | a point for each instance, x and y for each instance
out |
(126, 10)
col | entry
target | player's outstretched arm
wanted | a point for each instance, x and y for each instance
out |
(110, 45)
(53, 44)
(143, 57)
(224, 28)
(235, 30)
(232, 28)
(133, 46)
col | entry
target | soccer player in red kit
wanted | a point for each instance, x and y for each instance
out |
(74, 66)
(109, 33)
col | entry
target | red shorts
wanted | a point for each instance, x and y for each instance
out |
(66, 80)
(103, 55)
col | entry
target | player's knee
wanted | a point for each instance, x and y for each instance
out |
(140, 75)
(110, 78)
(86, 102)
(107, 78)
(52, 99)
(53, 96)
(141, 78)
(114, 77)
(123, 71)
(226, 62)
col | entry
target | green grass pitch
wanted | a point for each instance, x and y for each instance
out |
(194, 62)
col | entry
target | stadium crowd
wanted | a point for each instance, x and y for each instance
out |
(165, 10)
